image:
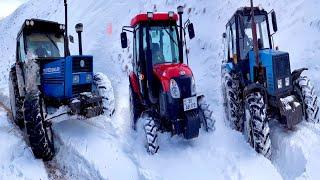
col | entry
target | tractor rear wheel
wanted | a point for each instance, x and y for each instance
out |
(256, 124)
(306, 92)
(135, 106)
(105, 90)
(38, 131)
(233, 106)
(16, 102)
(208, 122)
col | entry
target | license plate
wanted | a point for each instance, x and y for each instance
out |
(190, 103)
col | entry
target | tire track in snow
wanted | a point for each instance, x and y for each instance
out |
(294, 151)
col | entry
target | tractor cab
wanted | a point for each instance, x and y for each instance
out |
(40, 39)
(158, 51)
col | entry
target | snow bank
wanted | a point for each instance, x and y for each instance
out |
(17, 161)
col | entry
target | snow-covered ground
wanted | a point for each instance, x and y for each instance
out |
(104, 148)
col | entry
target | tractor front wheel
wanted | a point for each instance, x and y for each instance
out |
(208, 121)
(306, 92)
(256, 124)
(38, 131)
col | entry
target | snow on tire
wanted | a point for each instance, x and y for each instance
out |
(16, 101)
(309, 98)
(151, 132)
(233, 107)
(105, 90)
(256, 125)
(209, 122)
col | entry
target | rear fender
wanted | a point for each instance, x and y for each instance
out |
(296, 73)
(134, 82)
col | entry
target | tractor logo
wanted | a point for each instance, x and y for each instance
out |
(182, 73)
(51, 70)
(82, 63)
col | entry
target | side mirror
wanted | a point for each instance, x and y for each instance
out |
(224, 35)
(124, 40)
(71, 39)
(191, 31)
(274, 21)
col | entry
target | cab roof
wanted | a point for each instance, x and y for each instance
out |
(140, 18)
(41, 26)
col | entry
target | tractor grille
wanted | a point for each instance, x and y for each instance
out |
(77, 89)
(282, 65)
(184, 84)
(76, 67)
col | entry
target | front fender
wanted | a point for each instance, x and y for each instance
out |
(296, 73)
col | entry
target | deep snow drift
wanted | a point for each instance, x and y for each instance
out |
(104, 148)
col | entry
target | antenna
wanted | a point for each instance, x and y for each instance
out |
(66, 39)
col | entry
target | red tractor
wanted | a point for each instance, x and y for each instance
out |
(162, 88)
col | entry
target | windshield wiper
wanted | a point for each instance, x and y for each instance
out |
(172, 39)
(54, 43)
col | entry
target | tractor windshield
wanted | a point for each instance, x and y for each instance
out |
(246, 44)
(163, 44)
(44, 45)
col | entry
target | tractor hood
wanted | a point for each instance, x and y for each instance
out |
(166, 72)
(169, 71)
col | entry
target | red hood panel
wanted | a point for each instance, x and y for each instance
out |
(169, 71)
(165, 72)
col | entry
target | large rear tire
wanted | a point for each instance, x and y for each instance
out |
(256, 125)
(105, 90)
(309, 99)
(16, 101)
(38, 131)
(135, 106)
(233, 105)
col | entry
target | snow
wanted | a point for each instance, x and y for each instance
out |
(108, 148)
(17, 161)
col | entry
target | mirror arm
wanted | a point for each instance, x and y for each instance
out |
(127, 29)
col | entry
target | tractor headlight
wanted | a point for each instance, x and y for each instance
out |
(279, 83)
(27, 23)
(193, 87)
(76, 79)
(31, 23)
(287, 81)
(89, 78)
(174, 89)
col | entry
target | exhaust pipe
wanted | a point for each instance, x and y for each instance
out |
(79, 29)
(180, 12)
(66, 39)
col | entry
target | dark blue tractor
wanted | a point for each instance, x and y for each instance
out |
(45, 81)
(257, 80)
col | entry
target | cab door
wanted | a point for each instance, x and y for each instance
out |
(20, 60)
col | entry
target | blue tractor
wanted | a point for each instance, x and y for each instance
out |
(257, 81)
(46, 78)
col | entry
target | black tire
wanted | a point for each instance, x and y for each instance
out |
(256, 124)
(232, 98)
(309, 99)
(208, 122)
(135, 106)
(16, 102)
(151, 132)
(105, 90)
(38, 131)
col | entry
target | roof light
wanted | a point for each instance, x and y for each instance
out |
(27, 23)
(62, 27)
(31, 23)
(180, 9)
(171, 14)
(150, 15)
